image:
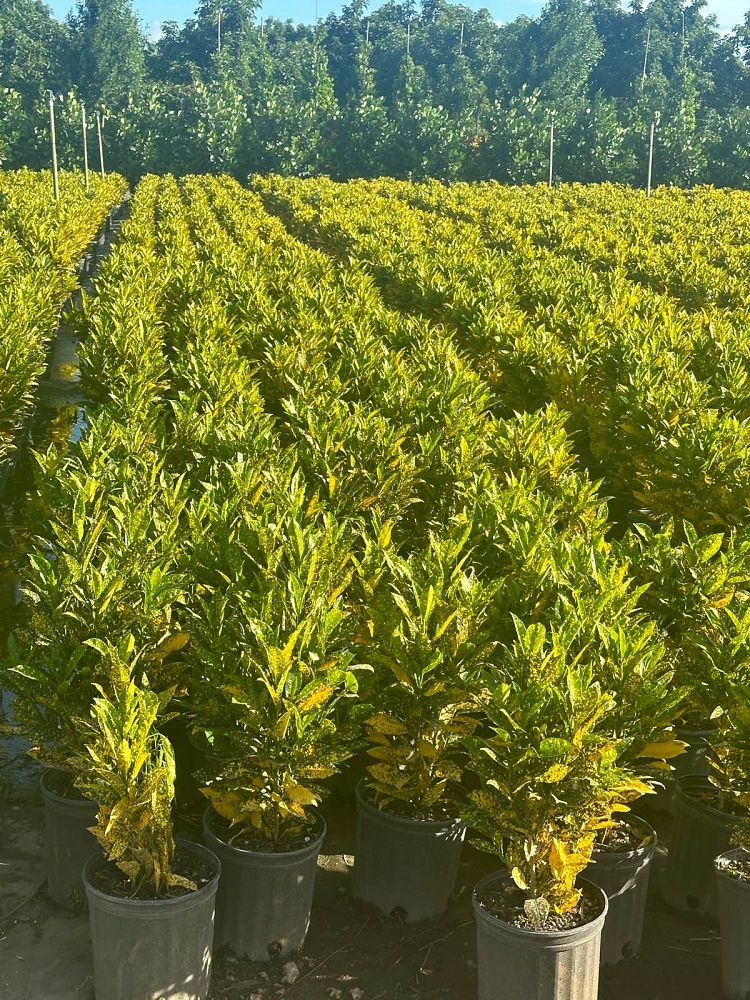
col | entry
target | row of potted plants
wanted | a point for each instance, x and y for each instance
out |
(627, 313)
(411, 823)
(439, 593)
(41, 242)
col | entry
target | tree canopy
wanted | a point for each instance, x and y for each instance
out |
(441, 90)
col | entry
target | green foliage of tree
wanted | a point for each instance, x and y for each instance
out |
(433, 91)
(108, 51)
(567, 48)
(33, 48)
(363, 130)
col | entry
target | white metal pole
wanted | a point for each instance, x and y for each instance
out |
(551, 148)
(461, 42)
(650, 159)
(101, 142)
(367, 33)
(53, 141)
(85, 146)
(218, 32)
(645, 56)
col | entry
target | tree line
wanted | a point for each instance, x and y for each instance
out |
(437, 90)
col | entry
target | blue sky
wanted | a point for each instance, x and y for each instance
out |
(153, 12)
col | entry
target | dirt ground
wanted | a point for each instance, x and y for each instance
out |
(351, 953)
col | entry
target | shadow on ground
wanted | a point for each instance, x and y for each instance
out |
(352, 952)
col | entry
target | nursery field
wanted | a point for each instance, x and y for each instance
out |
(439, 492)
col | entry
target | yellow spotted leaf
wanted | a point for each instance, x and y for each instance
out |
(664, 750)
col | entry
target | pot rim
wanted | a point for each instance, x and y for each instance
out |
(692, 731)
(49, 794)
(423, 824)
(209, 813)
(722, 873)
(526, 934)
(145, 905)
(639, 852)
(701, 779)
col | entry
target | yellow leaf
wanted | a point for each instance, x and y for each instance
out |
(555, 773)
(171, 644)
(317, 771)
(558, 858)
(301, 795)
(518, 878)
(439, 632)
(387, 774)
(427, 749)
(227, 804)
(386, 724)
(664, 750)
(384, 538)
(399, 671)
(282, 724)
(319, 696)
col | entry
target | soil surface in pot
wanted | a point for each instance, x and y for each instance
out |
(506, 901)
(738, 868)
(110, 880)
(61, 783)
(712, 799)
(248, 840)
(629, 835)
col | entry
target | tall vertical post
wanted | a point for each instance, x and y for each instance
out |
(650, 159)
(85, 145)
(367, 32)
(53, 142)
(101, 142)
(461, 41)
(551, 149)
(218, 31)
(645, 57)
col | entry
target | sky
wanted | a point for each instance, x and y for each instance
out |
(152, 12)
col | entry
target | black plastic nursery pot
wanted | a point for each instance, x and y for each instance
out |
(153, 949)
(700, 833)
(694, 760)
(518, 964)
(69, 841)
(624, 877)
(405, 864)
(264, 899)
(734, 917)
